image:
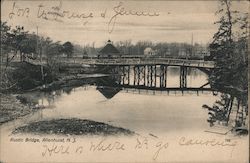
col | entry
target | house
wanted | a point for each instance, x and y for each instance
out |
(149, 51)
(109, 51)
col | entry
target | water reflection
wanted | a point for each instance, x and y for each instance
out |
(220, 112)
(229, 111)
(108, 92)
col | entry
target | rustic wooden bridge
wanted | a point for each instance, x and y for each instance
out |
(144, 71)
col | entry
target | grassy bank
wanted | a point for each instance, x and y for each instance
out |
(16, 78)
(11, 108)
(22, 76)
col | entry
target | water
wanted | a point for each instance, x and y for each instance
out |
(137, 112)
(142, 111)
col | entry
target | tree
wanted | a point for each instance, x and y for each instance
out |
(45, 45)
(17, 36)
(5, 39)
(17, 40)
(225, 51)
(5, 49)
(29, 44)
(229, 52)
(68, 49)
(54, 49)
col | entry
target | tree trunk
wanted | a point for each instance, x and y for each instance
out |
(230, 108)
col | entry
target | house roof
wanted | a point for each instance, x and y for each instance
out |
(109, 49)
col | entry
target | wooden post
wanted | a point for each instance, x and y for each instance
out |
(144, 75)
(183, 77)
(138, 75)
(134, 75)
(128, 75)
(155, 74)
(166, 73)
(151, 76)
(148, 73)
(123, 74)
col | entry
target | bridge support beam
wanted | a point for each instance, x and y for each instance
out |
(144, 75)
(163, 76)
(148, 76)
(139, 75)
(155, 73)
(128, 75)
(125, 72)
(205, 70)
(151, 75)
(183, 77)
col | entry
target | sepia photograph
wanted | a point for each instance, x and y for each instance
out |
(124, 81)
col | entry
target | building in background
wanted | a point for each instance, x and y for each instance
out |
(149, 52)
(109, 51)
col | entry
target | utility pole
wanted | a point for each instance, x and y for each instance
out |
(37, 40)
(38, 51)
(192, 44)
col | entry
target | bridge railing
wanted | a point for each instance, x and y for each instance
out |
(137, 61)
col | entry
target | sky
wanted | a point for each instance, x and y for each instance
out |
(172, 21)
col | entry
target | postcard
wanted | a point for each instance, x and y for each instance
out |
(124, 81)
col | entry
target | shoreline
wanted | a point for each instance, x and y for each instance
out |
(12, 108)
(14, 104)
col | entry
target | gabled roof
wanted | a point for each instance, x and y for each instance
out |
(109, 49)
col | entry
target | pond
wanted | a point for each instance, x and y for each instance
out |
(139, 110)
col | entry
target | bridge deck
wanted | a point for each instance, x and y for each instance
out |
(132, 62)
